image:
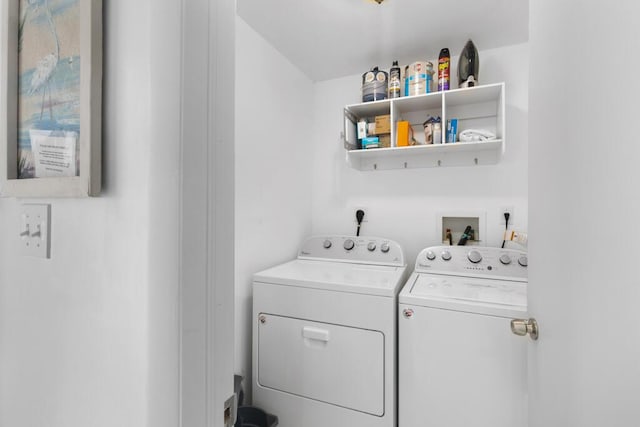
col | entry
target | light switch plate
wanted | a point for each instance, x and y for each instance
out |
(35, 230)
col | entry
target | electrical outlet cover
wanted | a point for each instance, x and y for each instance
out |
(504, 209)
(366, 214)
(35, 230)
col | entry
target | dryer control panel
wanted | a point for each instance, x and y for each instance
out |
(362, 250)
(474, 261)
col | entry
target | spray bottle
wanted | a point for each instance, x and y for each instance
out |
(444, 75)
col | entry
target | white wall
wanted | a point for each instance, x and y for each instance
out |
(90, 337)
(403, 204)
(273, 164)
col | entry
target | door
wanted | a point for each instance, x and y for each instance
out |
(584, 201)
(334, 364)
(459, 369)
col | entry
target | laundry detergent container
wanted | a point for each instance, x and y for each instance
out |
(250, 416)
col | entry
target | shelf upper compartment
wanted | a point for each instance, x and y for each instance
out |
(474, 95)
(370, 109)
(428, 101)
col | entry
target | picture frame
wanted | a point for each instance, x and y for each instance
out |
(88, 117)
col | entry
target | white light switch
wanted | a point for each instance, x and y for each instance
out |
(35, 230)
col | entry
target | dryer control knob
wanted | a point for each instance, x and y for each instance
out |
(431, 255)
(523, 261)
(385, 248)
(474, 256)
(505, 259)
(446, 255)
(371, 246)
(327, 244)
(348, 244)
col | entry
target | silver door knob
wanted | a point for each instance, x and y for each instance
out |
(522, 327)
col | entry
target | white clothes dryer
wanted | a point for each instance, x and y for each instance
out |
(324, 334)
(459, 363)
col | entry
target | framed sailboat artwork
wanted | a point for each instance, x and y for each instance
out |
(50, 98)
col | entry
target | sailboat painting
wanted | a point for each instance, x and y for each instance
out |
(48, 76)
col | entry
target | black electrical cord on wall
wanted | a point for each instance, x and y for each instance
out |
(359, 217)
(506, 227)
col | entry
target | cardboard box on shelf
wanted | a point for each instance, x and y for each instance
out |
(384, 140)
(383, 124)
(362, 129)
(452, 130)
(370, 142)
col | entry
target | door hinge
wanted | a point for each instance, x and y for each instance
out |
(230, 411)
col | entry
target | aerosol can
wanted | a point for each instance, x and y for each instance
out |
(444, 71)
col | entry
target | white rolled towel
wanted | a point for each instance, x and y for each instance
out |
(475, 135)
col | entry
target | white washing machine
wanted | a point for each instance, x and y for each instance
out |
(459, 363)
(324, 334)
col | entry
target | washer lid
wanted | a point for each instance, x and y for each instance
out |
(336, 276)
(484, 296)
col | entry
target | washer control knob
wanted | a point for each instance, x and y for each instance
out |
(523, 261)
(371, 246)
(348, 244)
(385, 248)
(474, 256)
(327, 244)
(431, 255)
(505, 259)
(446, 255)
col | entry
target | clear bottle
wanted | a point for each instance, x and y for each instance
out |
(395, 81)
(437, 133)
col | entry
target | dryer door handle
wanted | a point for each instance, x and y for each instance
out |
(315, 334)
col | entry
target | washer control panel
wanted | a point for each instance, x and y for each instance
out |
(364, 250)
(474, 261)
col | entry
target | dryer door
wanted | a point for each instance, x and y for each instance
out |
(335, 364)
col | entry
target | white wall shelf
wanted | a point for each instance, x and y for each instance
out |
(481, 107)
(426, 156)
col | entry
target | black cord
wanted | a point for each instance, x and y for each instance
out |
(506, 227)
(359, 217)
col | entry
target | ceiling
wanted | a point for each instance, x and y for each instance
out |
(333, 38)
